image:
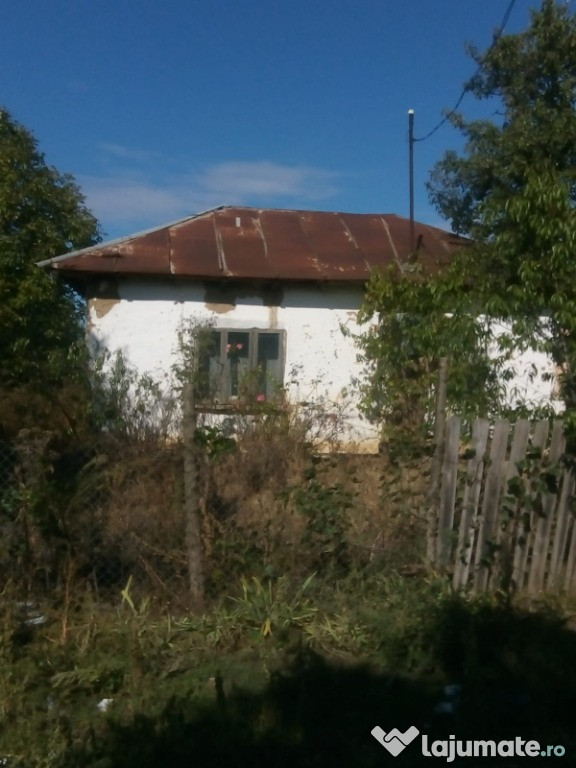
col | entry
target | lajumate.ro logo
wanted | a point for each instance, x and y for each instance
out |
(396, 742)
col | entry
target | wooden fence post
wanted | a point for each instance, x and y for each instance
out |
(436, 472)
(192, 499)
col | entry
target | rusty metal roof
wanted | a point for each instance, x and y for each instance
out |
(265, 244)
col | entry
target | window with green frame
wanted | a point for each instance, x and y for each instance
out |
(241, 364)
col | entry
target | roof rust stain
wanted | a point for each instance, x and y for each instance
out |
(266, 244)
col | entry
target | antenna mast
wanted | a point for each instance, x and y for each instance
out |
(411, 172)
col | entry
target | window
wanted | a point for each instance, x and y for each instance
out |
(242, 365)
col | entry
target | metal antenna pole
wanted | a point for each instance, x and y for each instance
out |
(411, 156)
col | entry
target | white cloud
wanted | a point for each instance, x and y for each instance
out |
(118, 199)
(125, 201)
(244, 180)
(121, 152)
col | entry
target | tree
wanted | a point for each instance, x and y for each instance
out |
(42, 214)
(513, 191)
(532, 78)
(416, 319)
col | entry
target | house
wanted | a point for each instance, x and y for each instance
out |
(275, 287)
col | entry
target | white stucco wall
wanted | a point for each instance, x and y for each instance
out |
(533, 382)
(320, 362)
(144, 316)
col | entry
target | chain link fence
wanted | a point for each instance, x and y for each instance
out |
(78, 519)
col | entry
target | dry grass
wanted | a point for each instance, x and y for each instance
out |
(116, 512)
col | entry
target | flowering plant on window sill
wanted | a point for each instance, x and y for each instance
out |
(247, 403)
(248, 398)
(244, 407)
(234, 350)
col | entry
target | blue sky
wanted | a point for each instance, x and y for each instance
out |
(163, 109)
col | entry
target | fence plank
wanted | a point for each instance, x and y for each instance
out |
(571, 562)
(490, 504)
(518, 448)
(570, 571)
(563, 520)
(448, 491)
(532, 546)
(569, 557)
(474, 473)
(525, 536)
(543, 521)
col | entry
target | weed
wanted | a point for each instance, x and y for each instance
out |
(325, 509)
(273, 606)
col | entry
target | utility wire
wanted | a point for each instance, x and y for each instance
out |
(495, 39)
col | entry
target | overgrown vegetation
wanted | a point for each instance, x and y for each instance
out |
(94, 598)
(292, 674)
(320, 622)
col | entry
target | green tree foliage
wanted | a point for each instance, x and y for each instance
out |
(530, 80)
(42, 214)
(512, 192)
(415, 319)
(514, 188)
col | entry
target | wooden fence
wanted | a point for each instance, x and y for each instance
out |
(503, 512)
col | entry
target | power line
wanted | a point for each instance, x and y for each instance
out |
(495, 39)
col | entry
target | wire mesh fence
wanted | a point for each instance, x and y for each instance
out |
(87, 518)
